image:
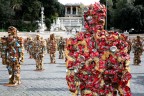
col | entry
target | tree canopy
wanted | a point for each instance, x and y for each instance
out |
(24, 14)
(125, 14)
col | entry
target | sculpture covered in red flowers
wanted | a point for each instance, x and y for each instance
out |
(97, 61)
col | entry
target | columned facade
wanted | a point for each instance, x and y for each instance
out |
(72, 10)
(72, 20)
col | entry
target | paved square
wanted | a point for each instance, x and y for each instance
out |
(51, 81)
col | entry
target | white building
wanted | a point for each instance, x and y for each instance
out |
(72, 20)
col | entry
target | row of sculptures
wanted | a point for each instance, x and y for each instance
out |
(37, 47)
(97, 61)
(12, 52)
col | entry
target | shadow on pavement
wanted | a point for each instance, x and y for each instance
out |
(139, 80)
(42, 78)
(137, 73)
(60, 72)
(47, 89)
(137, 94)
(60, 66)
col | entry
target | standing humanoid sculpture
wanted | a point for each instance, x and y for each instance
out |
(138, 49)
(97, 61)
(52, 48)
(39, 50)
(61, 45)
(12, 55)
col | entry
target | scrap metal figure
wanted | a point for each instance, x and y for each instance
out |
(129, 46)
(29, 46)
(61, 45)
(48, 46)
(52, 48)
(12, 55)
(97, 61)
(138, 49)
(39, 50)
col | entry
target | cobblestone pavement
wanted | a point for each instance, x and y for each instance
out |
(51, 81)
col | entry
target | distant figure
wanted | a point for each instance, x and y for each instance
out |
(12, 55)
(39, 48)
(48, 46)
(138, 50)
(29, 46)
(61, 46)
(129, 46)
(52, 46)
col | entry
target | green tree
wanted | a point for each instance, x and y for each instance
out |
(139, 2)
(6, 13)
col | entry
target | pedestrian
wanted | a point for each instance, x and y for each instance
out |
(52, 46)
(12, 55)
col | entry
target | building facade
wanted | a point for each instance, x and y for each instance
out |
(73, 20)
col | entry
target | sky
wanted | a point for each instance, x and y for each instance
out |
(85, 2)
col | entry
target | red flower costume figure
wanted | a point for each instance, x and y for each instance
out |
(97, 61)
(12, 55)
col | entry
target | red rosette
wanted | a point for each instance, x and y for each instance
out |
(126, 77)
(80, 47)
(72, 87)
(90, 94)
(70, 47)
(115, 43)
(74, 41)
(127, 91)
(87, 35)
(80, 36)
(70, 78)
(112, 59)
(101, 92)
(86, 55)
(102, 64)
(75, 54)
(82, 86)
(94, 54)
(71, 53)
(110, 72)
(70, 64)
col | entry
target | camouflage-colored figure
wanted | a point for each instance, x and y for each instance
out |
(129, 46)
(48, 48)
(52, 46)
(30, 50)
(138, 49)
(12, 55)
(39, 48)
(61, 45)
(26, 44)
